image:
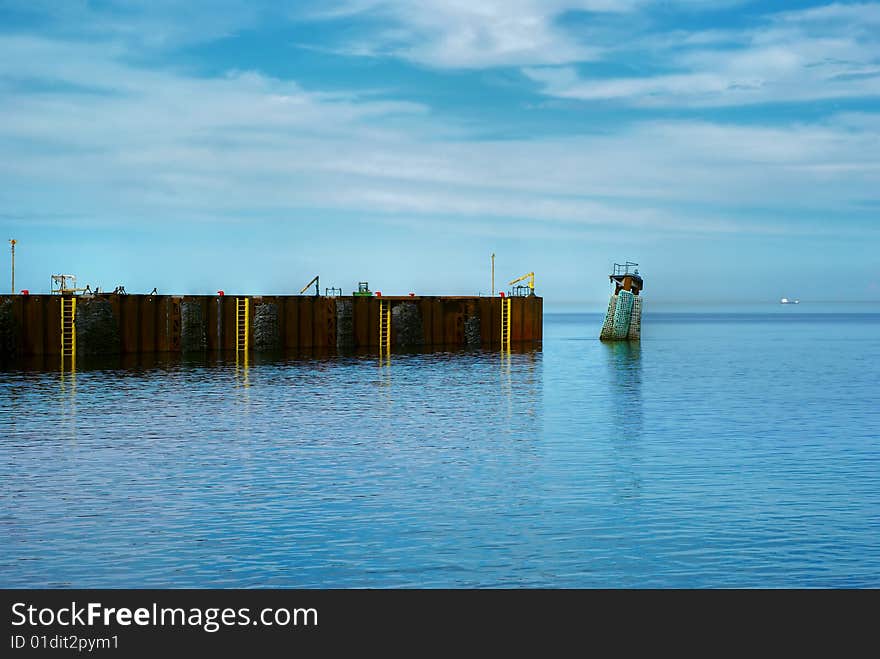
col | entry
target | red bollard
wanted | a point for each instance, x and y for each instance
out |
(221, 293)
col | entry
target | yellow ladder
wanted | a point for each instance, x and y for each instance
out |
(242, 324)
(68, 327)
(505, 323)
(384, 327)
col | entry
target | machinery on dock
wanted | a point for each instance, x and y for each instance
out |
(363, 290)
(623, 320)
(65, 285)
(523, 291)
(317, 282)
(527, 290)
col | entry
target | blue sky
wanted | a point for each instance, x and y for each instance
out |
(732, 148)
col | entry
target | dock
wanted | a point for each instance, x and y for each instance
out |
(111, 323)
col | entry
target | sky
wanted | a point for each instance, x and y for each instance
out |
(731, 148)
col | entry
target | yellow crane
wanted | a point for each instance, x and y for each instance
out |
(317, 282)
(531, 277)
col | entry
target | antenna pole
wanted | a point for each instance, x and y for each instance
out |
(12, 247)
(493, 274)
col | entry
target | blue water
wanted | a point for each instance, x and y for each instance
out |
(725, 450)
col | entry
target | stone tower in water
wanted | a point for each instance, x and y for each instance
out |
(623, 321)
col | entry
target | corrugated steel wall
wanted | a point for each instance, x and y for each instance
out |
(152, 323)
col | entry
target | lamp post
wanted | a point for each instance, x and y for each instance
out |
(493, 274)
(12, 247)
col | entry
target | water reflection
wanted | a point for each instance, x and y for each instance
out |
(503, 392)
(242, 369)
(506, 382)
(565, 476)
(67, 397)
(625, 384)
(530, 361)
(244, 362)
(625, 381)
(385, 392)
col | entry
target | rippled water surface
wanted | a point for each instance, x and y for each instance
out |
(723, 451)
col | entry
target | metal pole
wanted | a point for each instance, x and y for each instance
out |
(493, 274)
(12, 245)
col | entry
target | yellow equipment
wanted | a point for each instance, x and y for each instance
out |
(316, 281)
(242, 324)
(384, 327)
(68, 328)
(531, 277)
(505, 324)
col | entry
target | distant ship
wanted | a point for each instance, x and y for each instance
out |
(786, 300)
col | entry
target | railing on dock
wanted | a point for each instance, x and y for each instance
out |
(624, 268)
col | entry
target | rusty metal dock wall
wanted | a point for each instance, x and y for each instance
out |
(30, 325)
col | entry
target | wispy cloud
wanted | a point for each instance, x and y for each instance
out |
(459, 34)
(150, 24)
(148, 119)
(110, 136)
(160, 143)
(826, 52)
(796, 56)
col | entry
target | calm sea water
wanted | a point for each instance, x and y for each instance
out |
(725, 450)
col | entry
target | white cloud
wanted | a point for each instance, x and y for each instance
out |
(158, 144)
(865, 15)
(463, 34)
(152, 24)
(822, 53)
